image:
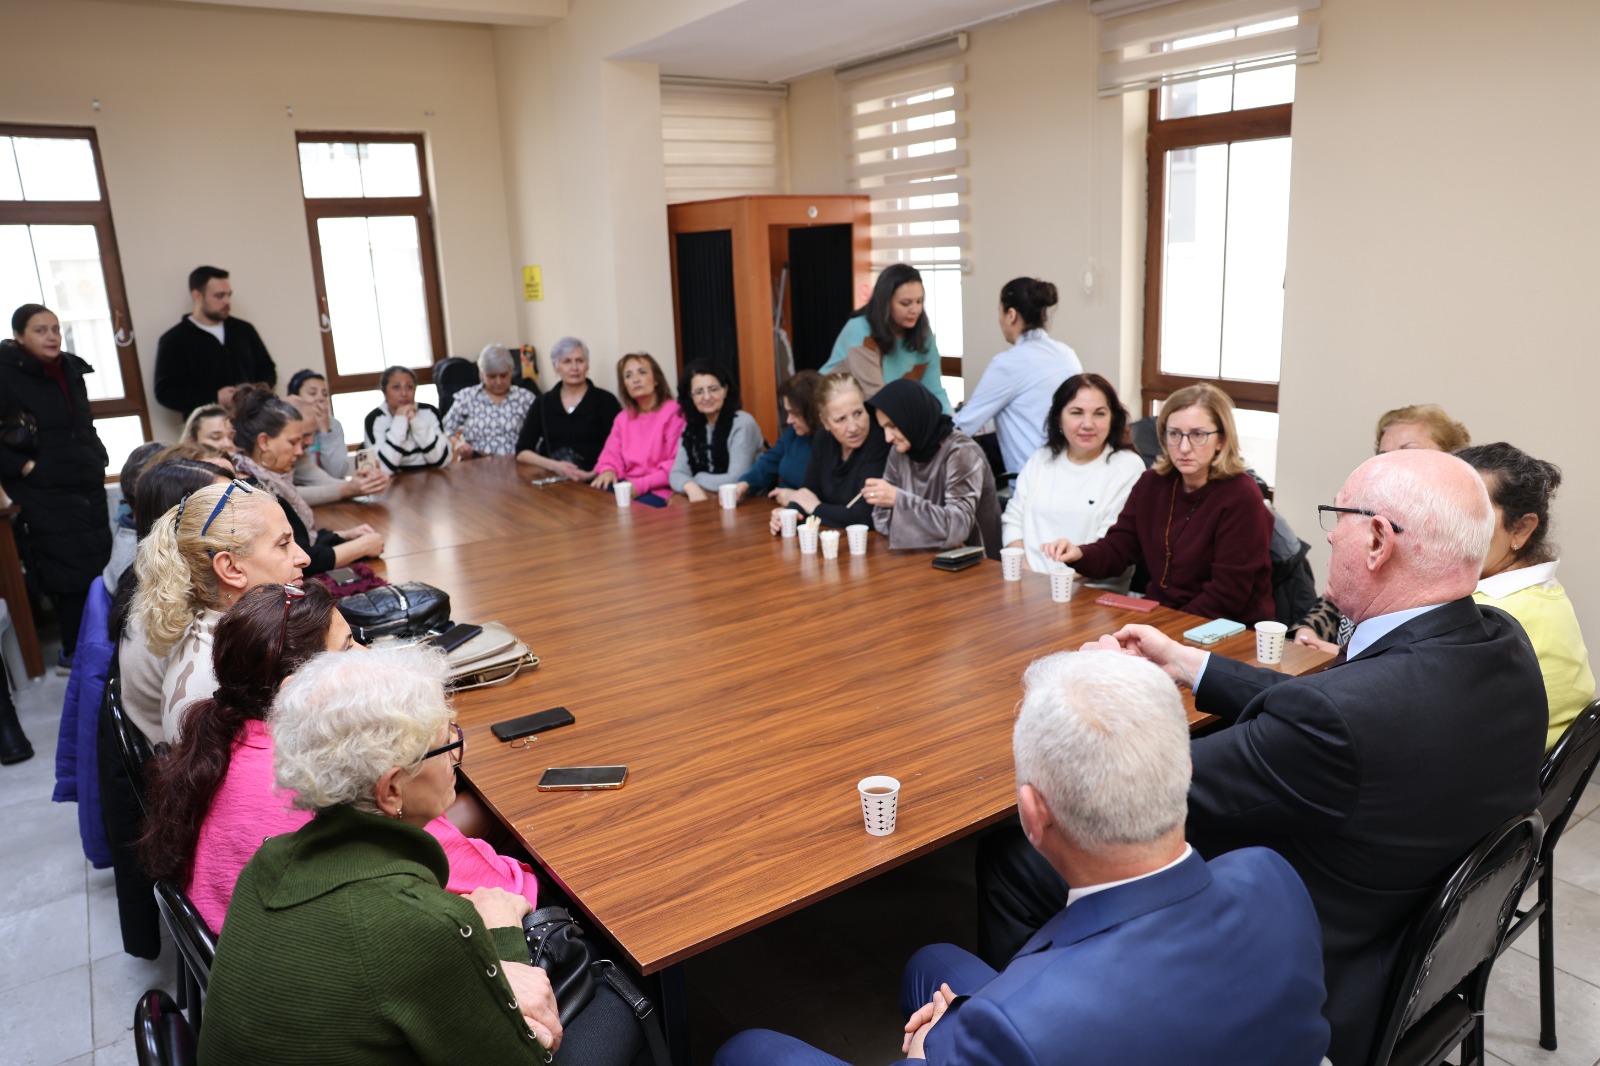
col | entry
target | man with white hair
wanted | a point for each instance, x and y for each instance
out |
(1157, 956)
(1376, 776)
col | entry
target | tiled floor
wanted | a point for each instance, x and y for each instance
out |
(828, 974)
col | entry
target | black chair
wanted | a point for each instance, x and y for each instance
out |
(450, 376)
(1435, 1002)
(132, 746)
(161, 1035)
(1566, 772)
(196, 944)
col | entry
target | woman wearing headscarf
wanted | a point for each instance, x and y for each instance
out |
(937, 490)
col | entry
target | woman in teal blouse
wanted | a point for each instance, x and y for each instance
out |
(898, 327)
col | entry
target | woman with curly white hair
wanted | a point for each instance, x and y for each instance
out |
(341, 943)
(485, 419)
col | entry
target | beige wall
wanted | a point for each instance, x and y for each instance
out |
(1441, 246)
(200, 159)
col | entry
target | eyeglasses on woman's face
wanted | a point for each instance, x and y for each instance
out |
(457, 747)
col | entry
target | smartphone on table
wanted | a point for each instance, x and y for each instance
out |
(529, 724)
(582, 778)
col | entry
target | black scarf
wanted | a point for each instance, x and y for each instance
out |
(917, 415)
(708, 457)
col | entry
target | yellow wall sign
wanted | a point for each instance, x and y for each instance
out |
(532, 283)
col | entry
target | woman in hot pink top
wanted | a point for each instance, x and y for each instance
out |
(644, 438)
(213, 800)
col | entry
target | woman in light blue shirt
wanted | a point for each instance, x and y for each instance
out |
(1016, 386)
(898, 328)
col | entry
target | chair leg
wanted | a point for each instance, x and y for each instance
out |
(180, 985)
(1547, 957)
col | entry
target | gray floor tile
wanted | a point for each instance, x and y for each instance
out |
(1577, 855)
(43, 941)
(35, 823)
(31, 780)
(122, 1053)
(118, 981)
(1512, 1015)
(48, 1020)
(1577, 913)
(88, 1060)
(105, 926)
(96, 879)
(55, 871)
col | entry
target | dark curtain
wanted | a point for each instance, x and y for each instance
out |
(705, 300)
(821, 299)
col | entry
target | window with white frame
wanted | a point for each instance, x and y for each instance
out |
(720, 140)
(57, 248)
(906, 133)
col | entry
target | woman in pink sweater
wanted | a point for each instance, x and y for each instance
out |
(212, 797)
(644, 438)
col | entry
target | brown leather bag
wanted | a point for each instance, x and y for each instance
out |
(865, 363)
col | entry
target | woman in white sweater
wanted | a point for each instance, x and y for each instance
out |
(1074, 487)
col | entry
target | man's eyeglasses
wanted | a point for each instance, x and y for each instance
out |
(290, 594)
(1328, 516)
(1196, 437)
(456, 747)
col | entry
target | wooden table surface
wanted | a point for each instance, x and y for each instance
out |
(746, 687)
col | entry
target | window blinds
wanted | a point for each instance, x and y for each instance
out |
(1231, 36)
(905, 136)
(720, 140)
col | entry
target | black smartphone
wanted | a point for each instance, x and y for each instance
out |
(529, 724)
(582, 778)
(454, 637)
(343, 575)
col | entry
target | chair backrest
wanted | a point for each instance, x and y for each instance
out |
(194, 939)
(132, 746)
(1458, 934)
(1566, 771)
(161, 1034)
(450, 376)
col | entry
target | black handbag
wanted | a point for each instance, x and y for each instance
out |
(19, 431)
(407, 610)
(557, 946)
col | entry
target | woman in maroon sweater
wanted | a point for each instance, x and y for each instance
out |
(1197, 523)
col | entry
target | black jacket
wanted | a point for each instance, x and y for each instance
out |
(1373, 778)
(191, 367)
(65, 530)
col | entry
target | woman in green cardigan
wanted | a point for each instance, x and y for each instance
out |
(894, 336)
(341, 944)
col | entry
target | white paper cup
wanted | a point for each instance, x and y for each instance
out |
(880, 801)
(829, 539)
(858, 538)
(786, 521)
(808, 540)
(1269, 641)
(623, 490)
(728, 496)
(1061, 582)
(1011, 563)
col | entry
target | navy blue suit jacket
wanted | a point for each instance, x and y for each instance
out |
(1205, 964)
(1374, 779)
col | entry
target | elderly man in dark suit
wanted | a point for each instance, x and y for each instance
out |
(1157, 956)
(1374, 777)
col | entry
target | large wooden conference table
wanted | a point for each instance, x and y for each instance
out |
(747, 688)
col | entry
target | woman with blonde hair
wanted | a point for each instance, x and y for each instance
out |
(200, 557)
(1195, 522)
(1420, 425)
(847, 451)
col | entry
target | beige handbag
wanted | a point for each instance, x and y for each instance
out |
(493, 657)
(866, 363)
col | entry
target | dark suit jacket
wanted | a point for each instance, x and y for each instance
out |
(1373, 778)
(191, 367)
(1205, 964)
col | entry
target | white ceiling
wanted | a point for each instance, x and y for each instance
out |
(501, 12)
(775, 40)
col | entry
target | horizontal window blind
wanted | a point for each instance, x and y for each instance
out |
(1228, 37)
(720, 141)
(905, 140)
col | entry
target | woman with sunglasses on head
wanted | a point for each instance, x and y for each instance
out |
(719, 441)
(212, 799)
(342, 943)
(1195, 521)
(199, 558)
